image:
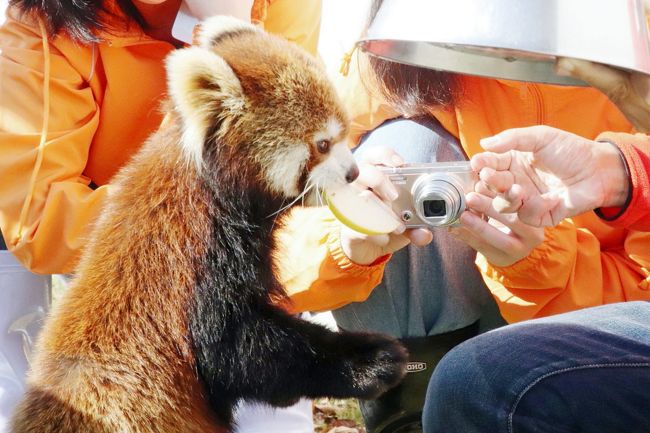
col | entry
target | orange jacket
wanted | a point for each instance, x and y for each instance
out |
(636, 213)
(103, 101)
(583, 262)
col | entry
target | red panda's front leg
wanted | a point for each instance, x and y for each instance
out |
(276, 358)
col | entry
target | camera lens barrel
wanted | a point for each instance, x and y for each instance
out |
(436, 187)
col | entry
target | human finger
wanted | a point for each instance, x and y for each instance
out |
(541, 211)
(372, 177)
(419, 237)
(489, 240)
(510, 201)
(483, 189)
(627, 90)
(525, 231)
(499, 181)
(529, 139)
(382, 155)
(361, 248)
(612, 82)
(470, 237)
(496, 161)
(395, 242)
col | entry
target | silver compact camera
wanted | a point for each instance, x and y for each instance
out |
(431, 195)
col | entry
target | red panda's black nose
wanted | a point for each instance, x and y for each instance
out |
(352, 174)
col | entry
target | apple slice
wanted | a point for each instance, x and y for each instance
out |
(361, 210)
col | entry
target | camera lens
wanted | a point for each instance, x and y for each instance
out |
(438, 199)
(434, 208)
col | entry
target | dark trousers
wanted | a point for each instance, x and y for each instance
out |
(587, 371)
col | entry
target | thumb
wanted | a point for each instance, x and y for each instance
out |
(417, 237)
(630, 92)
(611, 81)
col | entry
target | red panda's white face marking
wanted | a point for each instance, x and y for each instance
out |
(305, 168)
(333, 164)
(285, 169)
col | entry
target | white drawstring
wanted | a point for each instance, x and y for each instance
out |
(41, 145)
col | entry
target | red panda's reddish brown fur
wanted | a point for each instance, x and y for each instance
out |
(170, 315)
(119, 309)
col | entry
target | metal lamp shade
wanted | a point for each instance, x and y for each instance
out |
(511, 39)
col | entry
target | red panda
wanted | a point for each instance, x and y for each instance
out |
(173, 315)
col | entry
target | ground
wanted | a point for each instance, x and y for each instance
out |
(337, 416)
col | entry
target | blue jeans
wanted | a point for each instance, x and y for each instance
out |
(587, 371)
(430, 290)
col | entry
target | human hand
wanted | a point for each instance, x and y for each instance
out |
(503, 239)
(630, 91)
(365, 249)
(546, 174)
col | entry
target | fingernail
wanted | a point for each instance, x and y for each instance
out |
(397, 160)
(421, 237)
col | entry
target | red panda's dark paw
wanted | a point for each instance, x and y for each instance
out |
(379, 365)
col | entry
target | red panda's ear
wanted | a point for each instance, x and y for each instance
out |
(216, 27)
(205, 91)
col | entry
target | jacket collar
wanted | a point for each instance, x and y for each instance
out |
(120, 30)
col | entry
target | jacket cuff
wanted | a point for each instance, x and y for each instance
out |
(343, 262)
(638, 179)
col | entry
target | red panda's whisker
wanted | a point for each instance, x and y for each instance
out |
(302, 194)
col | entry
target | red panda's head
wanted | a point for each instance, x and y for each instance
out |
(265, 103)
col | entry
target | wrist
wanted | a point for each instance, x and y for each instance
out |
(613, 174)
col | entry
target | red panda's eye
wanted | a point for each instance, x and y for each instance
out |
(323, 146)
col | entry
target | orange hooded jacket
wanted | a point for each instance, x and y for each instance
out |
(96, 103)
(103, 102)
(583, 262)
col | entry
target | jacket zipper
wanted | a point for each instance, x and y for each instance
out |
(539, 103)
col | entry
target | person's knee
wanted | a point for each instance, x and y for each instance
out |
(448, 384)
(473, 386)
(464, 391)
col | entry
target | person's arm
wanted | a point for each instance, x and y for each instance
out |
(634, 213)
(46, 204)
(295, 20)
(324, 265)
(574, 268)
(544, 175)
(314, 270)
